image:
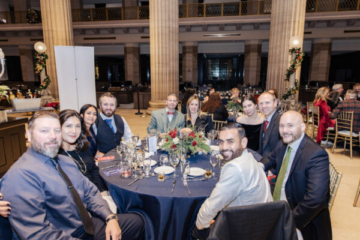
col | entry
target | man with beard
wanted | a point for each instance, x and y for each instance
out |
(302, 169)
(109, 127)
(242, 180)
(50, 197)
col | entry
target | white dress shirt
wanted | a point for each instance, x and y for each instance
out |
(170, 116)
(127, 131)
(242, 182)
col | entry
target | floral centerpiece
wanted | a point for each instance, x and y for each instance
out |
(191, 141)
(235, 105)
(3, 92)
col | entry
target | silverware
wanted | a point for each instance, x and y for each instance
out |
(186, 185)
(141, 177)
(134, 180)
(199, 179)
(108, 167)
(172, 190)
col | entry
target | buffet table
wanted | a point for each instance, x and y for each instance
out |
(167, 216)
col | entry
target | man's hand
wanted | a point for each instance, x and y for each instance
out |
(113, 230)
(4, 207)
(212, 222)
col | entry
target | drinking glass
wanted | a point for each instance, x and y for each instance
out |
(210, 136)
(161, 176)
(134, 164)
(174, 161)
(147, 168)
(208, 173)
(140, 156)
(213, 161)
(185, 169)
(118, 150)
(163, 159)
(214, 134)
(135, 139)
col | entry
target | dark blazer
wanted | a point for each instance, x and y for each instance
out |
(221, 113)
(307, 188)
(201, 121)
(268, 141)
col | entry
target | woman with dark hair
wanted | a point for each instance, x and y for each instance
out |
(215, 107)
(193, 118)
(89, 114)
(209, 92)
(251, 121)
(75, 146)
(333, 99)
(188, 94)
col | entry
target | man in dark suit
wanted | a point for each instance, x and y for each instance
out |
(302, 169)
(269, 132)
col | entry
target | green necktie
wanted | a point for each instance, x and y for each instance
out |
(281, 176)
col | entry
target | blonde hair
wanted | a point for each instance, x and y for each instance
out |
(188, 114)
(235, 89)
(321, 94)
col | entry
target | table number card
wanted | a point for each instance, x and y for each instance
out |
(152, 142)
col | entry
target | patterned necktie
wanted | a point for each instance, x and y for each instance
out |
(281, 176)
(108, 121)
(265, 125)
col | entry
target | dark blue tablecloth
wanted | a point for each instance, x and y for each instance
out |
(167, 216)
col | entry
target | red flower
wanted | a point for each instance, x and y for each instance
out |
(293, 70)
(189, 139)
(194, 143)
(166, 140)
(192, 134)
(173, 146)
(200, 136)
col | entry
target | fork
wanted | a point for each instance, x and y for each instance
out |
(186, 185)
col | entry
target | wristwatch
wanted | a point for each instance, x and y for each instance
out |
(111, 217)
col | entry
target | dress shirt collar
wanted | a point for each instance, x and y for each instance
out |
(295, 145)
(269, 119)
(38, 156)
(105, 117)
(167, 110)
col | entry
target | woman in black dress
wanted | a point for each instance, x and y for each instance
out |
(89, 114)
(251, 121)
(193, 118)
(75, 146)
(215, 107)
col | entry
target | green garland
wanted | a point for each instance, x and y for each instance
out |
(291, 91)
(294, 63)
(40, 65)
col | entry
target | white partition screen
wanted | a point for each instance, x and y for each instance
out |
(76, 76)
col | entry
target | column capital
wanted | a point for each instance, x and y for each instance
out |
(131, 45)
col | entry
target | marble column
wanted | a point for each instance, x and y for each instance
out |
(130, 9)
(132, 63)
(252, 64)
(164, 51)
(57, 31)
(27, 63)
(287, 20)
(320, 59)
(189, 62)
(21, 6)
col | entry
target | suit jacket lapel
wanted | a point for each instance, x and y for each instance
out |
(165, 119)
(271, 126)
(298, 154)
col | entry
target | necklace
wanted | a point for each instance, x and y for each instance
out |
(79, 166)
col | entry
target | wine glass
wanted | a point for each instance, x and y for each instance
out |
(134, 164)
(174, 161)
(135, 138)
(185, 169)
(118, 150)
(163, 159)
(213, 161)
(210, 136)
(140, 156)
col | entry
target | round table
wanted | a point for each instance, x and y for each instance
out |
(166, 215)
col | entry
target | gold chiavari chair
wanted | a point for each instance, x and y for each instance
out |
(335, 177)
(357, 195)
(315, 120)
(217, 124)
(344, 130)
(309, 106)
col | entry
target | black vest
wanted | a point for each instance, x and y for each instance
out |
(106, 139)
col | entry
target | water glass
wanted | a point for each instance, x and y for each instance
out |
(163, 159)
(185, 169)
(135, 139)
(174, 161)
(118, 150)
(147, 168)
(213, 161)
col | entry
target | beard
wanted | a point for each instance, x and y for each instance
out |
(235, 154)
(108, 114)
(294, 137)
(49, 151)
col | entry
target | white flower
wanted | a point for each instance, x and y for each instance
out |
(176, 140)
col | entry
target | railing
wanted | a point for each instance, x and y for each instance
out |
(189, 11)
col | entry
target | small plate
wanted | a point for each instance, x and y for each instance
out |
(164, 169)
(152, 162)
(196, 171)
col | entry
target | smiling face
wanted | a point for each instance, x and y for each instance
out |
(291, 127)
(89, 116)
(71, 130)
(249, 108)
(267, 104)
(194, 106)
(171, 102)
(108, 106)
(230, 144)
(45, 136)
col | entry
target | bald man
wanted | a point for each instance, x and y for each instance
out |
(302, 169)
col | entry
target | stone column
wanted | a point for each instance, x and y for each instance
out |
(58, 31)
(130, 9)
(21, 6)
(132, 60)
(164, 51)
(287, 20)
(189, 61)
(320, 59)
(27, 62)
(252, 64)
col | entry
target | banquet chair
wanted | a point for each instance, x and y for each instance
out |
(309, 106)
(217, 124)
(264, 221)
(315, 121)
(335, 177)
(357, 195)
(330, 135)
(344, 130)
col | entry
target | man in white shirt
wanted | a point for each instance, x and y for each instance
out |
(168, 118)
(109, 127)
(242, 180)
(339, 88)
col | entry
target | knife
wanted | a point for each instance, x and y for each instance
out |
(141, 177)
(172, 190)
(134, 180)
(186, 185)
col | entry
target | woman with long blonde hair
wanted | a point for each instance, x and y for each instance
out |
(325, 121)
(193, 117)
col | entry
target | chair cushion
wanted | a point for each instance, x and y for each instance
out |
(347, 133)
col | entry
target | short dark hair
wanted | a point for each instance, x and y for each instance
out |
(237, 126)
(109, 95)
(40, 114)
(250, 98)
(81, 143)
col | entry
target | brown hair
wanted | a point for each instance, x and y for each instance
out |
(275, 92)
(213, 103)
(250, 98)
(188, 115)
(109, 95)
(81, 143)
(321, 94)
(40, 114)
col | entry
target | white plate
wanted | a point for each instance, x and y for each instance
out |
(165, 169)
(195, 171)
(148, 155)
(152, 162)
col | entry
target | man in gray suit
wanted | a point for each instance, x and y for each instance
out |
(167, 119)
